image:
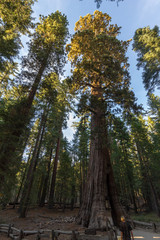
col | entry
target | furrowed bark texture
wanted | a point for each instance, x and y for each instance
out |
(100, 184)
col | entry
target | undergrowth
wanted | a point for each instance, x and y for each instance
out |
(146, 217)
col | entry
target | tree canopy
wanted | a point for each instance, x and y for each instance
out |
(99, 61)
(147, 45)
(15, 19)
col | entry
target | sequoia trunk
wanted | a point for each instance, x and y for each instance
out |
(100, 185)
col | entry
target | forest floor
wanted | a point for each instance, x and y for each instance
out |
(54, 219)
(41, 218)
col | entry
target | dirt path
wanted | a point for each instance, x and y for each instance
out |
(144, 234)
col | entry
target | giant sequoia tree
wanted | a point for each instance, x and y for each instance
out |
(99, 72)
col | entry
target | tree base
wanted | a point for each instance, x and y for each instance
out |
(98, 219)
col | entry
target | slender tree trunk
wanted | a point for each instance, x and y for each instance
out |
(53, 181)
(73, 189)
(32, 168)
(24, 111)
(41, 180)
(22, 182)
(30, 98)
(154, 199)
(133, 199)
(116, 208)
(130, 179)
(81, 183)
(46, 180)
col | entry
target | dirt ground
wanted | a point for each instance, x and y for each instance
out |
(54, 219)
(41, 218)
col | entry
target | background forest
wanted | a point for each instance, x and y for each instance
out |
(85, 74)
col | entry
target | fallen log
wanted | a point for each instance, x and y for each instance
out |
(152, 226)
(65, 232)
(26, 232)
(143, 224)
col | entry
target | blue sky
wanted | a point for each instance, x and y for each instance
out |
(130, 15)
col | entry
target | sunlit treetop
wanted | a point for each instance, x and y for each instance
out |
(53, 28)
(49, 39)
(16, 14)
(98, 23)
(98, 59)
(95, 52)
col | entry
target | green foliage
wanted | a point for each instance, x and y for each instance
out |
(154, 133)
(10, 126)
(140, 132)
(46, 53)
(46, 49)
(80, 153)
(146, 217)
(145, 154)
(147, 45)
(100, 80)
(99, 62)
(15, 19)
(9, 47)
(17, 14)
(49, 38)
(64, 174)
(123, 161)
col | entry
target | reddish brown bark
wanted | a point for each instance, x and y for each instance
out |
(100, 185)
